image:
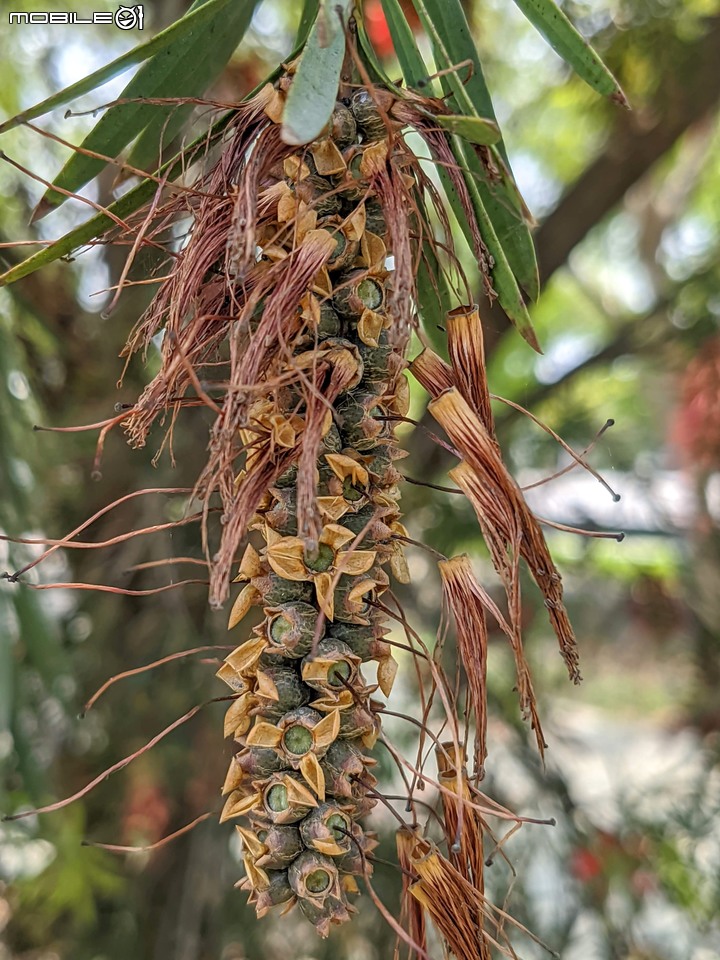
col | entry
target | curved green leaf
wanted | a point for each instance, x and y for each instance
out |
(411, 62)
(215, 47)
(313, 93)
(307, 19)
(448, 29)
(133, 200)
(165, 75)
(473, 129)
(551, 22)
(138, 54)
(504, 281)
(101, 223)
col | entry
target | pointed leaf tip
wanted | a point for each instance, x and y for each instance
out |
(549, 20)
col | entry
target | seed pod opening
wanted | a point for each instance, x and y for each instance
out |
(355, 292)
(291, 628)
(327, 830)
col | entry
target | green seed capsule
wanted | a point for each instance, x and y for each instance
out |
(259, 762)
(324, 914)
(285, 798)
(345, 252)
(332, 441)
(358, 521)
(326, 830)
(376, 360)
(316, 192)
(313, 875)
(278, 891)
(282, 515)
(343, 128)
(357, 721)
(345, 609)
(291, 628)
(297, 736)
(358, 415)
(332, 668)
(364, 109)
(292, 692)
(289, 478)
(355, 861)
(277, 590)
(297, 740)
(283, 844)
(330, 324)
(375, 218)
(355, 292)
(276, 798)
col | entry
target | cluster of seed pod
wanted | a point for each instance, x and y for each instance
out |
(304, 716)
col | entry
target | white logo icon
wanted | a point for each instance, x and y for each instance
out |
(128, 18)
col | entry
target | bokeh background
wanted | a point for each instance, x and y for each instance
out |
(628, 207)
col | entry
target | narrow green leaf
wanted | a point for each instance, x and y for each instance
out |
(102, 222)
(167, 124)
(551, 22)
(411, 62)
(164, 75)
(191, 21)
(448, 29)
(215, 49)
(370, 57)
(474, 129)
(314, 89)
(435, 299)
(502, 202)
(307, 19)
(130, 202)
(504, 282)
(446, 25)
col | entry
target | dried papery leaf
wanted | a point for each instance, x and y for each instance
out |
(237, 719)
(387, 671)
(239, 805)
(432, 373)
(463, 825)
(234, 778)
(503, 535)
(326, 731)
(456, 908)
(251, 842)
(458, 580)
(467, 355)
(247, 597)
(312, 772)
(329, 160)
(412, 914)
(232, 678)
(244, 657)
(280, 846)
(505, 514)
(264, 735)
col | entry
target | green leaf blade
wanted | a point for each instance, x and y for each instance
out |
(411, 62)
(166, 74)
(564, 38)
(503, 277)
(473, 129)
(313, 93)
(167, 122)
(159, 43)
(449, 32)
